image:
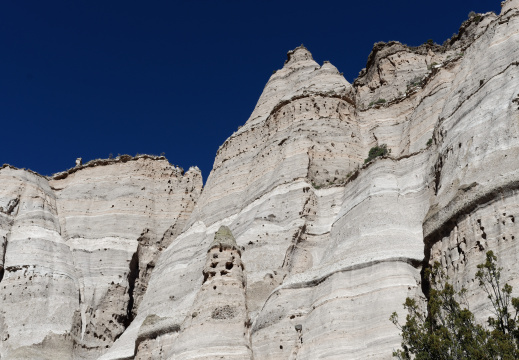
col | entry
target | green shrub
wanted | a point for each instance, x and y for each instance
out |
(429, 142)
(417, 81)
(448, 330)
(474, 17)
(377, 151)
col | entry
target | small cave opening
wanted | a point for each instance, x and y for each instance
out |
(229, 265)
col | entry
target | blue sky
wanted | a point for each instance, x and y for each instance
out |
(93, 78)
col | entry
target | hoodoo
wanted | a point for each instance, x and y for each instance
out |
(218, 326)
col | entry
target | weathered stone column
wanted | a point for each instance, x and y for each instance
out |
(218, 326)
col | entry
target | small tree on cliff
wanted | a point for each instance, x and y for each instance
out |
(448, 329)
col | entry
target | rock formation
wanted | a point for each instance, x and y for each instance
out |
(315, 248)
(74, 259)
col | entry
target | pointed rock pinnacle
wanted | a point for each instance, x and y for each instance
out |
(223, 238)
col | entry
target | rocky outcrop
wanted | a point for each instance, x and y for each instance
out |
(297, 247)
(38, 290)
(218, 326)
(75, 261)
(331, 245)
(476, 170)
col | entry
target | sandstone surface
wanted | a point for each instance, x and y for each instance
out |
(78, 250)
(296, 248)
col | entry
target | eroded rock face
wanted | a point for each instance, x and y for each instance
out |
(332, 246)
(314, 249)
(76, 264)
(218, 327)
(38, 290)
(476, 171)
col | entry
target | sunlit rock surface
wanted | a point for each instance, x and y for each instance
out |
(314, 247)
(79, 251)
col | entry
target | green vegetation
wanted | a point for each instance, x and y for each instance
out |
(474, 17)
(430, 67)
(417, 81)
(448, 329)
(377, 151)
(379, 101)
(316, 186)
(429, 142)
(430, 42)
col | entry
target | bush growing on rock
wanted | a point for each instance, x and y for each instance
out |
(415, 82)
(474, 17)
(377, 151)
(448, 329)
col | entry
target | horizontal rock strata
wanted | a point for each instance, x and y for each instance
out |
(78, 251)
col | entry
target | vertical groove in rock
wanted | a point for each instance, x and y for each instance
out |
(298, 236)
(133, 275)
(3, 246)
(148, 251)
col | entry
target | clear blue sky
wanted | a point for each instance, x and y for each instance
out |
(90, 78)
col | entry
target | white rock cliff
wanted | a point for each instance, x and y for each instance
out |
(296, 248)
